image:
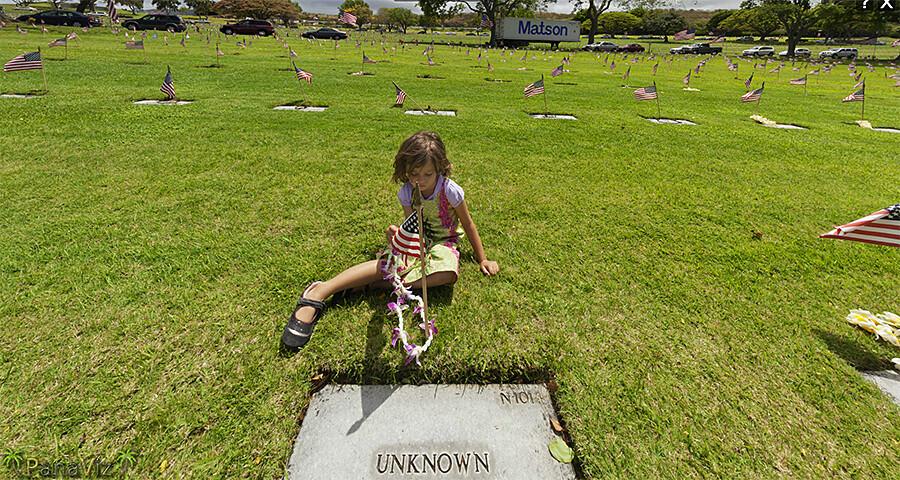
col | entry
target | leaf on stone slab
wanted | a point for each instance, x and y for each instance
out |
(561, 451)
(556, 426)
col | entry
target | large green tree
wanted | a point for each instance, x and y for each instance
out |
(261, 9)
(758, 20)
(712, 25)
(200, 7)
(795, 16)
(167, 5)
(663, 22)
(496, 9)
(617, 23)
(400, 18)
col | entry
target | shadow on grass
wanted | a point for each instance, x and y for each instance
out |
(853, 353)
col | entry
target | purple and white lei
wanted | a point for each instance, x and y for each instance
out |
(405, 298)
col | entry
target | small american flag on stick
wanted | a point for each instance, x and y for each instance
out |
(879, 228)
(646, 93)
(406, 240)
(486, 22)
(25, 61)
(168, 87)
(752, 96)
(401, 95)
(59, 42)
(301, 75)
(799, 81)
(347, 18)
(857, 96)
(535, 88)
(556, 71)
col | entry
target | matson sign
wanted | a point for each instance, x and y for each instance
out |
(538, 30)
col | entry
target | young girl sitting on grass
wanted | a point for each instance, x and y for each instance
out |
(422, 160)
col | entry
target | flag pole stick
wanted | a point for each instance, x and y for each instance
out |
(658, 111)
(804, 85)
(758, 99)
(411, 99)
(546, 110)
(301, 85)
(862, 115)
(217, 54)
(43, 72)
(67, 48)
(423, 254)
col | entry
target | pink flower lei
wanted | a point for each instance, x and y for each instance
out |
(405, 297)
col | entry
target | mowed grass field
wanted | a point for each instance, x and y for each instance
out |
(150, 255)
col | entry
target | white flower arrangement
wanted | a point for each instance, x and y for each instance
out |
(864, 124)
(763, 120)
(884, 325)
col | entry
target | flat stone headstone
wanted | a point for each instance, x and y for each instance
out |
(300, 108)
(553, 116)
(162, 102)
(886, 129)
(16, 95)
(888, 381)
(672, 121)
(786, 126)
(444, 113)
(427, 432)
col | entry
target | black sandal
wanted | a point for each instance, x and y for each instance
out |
(297, 333)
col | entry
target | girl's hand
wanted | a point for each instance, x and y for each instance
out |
(391, 231)
(489, 267)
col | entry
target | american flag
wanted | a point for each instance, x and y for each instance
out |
(367, 59)
(857, 77)
(430, 61)
(685, 34)
(718, 39)
(896, 43)
(655, 67)
(687, 79)
(219, 52)
(401, 95)
(799, 81)
(168, 87)
(21, 30)
(182, 42)
(814, 72)
(113, 13)
(612, 66)
(59, 42)
(749, 82)
(752, 96)
(486, 22)
(733, 67)
(301, 75)
(406, 240)
(535, 88)
(857, 96)
(860, 84)
(292, 53)
(138, 45)
(627, 73)
(490, 68)
(556, 71)
(242, 44)
(479, 58)
(71, 36)
(646, 93)
(25, 61)
(879, 228)
(347, 18)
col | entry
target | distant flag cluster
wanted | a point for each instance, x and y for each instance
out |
(25, 61)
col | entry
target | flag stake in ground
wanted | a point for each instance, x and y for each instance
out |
(546, 110)
(758, 99)
(305, 102)
(658, 111)
(417, 201)
(44, 74)
(410, 98)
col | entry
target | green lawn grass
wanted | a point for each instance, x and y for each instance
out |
(150, 255)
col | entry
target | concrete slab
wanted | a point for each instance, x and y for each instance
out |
(162, 102)
(16, 95)
(300, 108)
(672, 121)
(886, 129)
(786, 126)
(888, 381)
(554, 117)
(443, 113)
(427, 432)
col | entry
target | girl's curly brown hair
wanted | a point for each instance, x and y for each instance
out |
(416, 151)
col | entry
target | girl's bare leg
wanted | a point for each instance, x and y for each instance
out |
(368, 273)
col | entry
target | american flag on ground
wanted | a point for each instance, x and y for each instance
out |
(168, 87)
(113, 13)
(132, 45)
(799, 81)
(401, 95)
(857, 96)
(486, 22)
(752, 96)
(556, 71)
(646, 93)
(406, 240)
(182, 42)
(25, 61)
(685, 34)
(301, 75)
(59, 42)
(347, 18)
(367, 59)
(749, 82)
(535, 88)
(879, 228)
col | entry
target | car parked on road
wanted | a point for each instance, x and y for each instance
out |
(326, 33)
(248, 27)
(171, 23)
(840, 52)
(680, 50)
(631, 47)
(798, 52)
(600, 47)
(760, 51)
(61, 17)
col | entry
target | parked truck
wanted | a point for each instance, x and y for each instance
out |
(703, 48)
(519, 32)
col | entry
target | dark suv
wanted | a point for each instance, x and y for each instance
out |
(249, 27)
(172, 23)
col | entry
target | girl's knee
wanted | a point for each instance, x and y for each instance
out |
(442, 278)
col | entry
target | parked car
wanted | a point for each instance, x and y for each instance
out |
(840, 52)
(703, 49)
(362, 29)
(26, 8)
(96, 14)
(744, 40)
(326, 33)
(761, 51)
(248, 27)
(600, 47)
(798, 52)
(631, 47)
(171, 23)
(61, 17)
(680, 50)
